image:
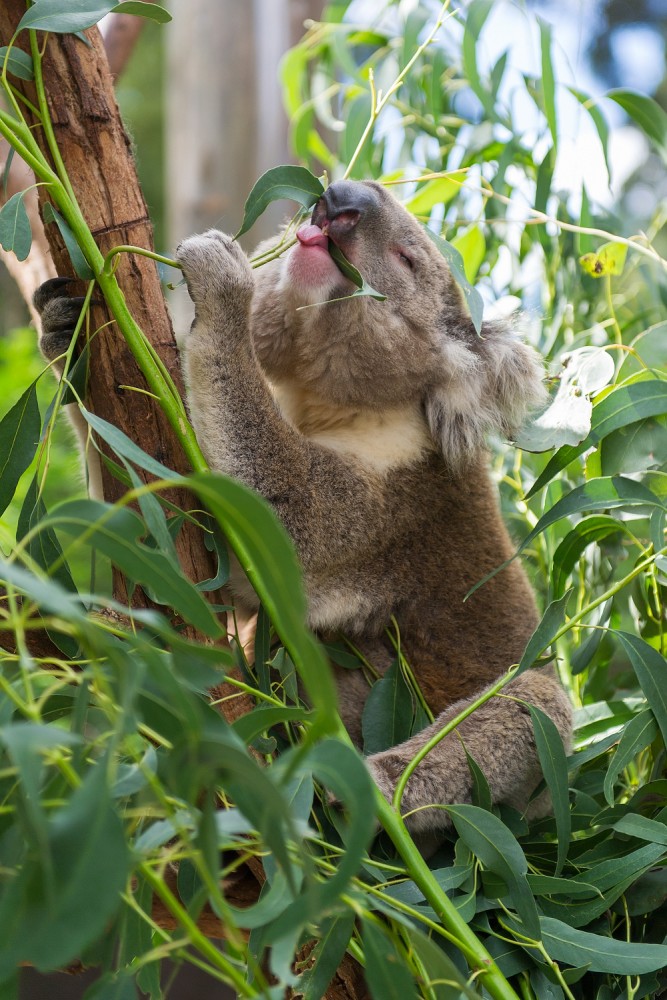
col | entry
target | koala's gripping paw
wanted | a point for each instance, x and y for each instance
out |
(423, 789)
(59, 314)
(216, 270)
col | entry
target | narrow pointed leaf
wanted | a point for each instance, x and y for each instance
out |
(637, 735)
(284, 182)
(601, 953)
(387, 975)
(651, 670)
(553, 761)
(15, 232)
(19, 438)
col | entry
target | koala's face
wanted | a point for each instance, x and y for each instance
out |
(358, 350)
(417, 347)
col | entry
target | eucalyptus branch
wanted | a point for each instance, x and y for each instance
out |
(379, 99)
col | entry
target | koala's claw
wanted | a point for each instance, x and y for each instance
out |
(49, 290)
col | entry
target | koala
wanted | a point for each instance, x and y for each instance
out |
(363, 423)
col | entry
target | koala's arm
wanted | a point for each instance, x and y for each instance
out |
(499, 737)
(327, 505)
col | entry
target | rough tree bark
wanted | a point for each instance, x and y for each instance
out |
(97, 155)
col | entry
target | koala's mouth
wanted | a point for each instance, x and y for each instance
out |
(313, 236)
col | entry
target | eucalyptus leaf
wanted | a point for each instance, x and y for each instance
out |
(651, 668)
(599, 952)
(81, 266)
(19, 439)
(387, 975)
(152, 11)
(646, 113)
(15, 232)
(63, 18)
(636, 736)
(284, 182)
(18, 62)
(551, 753)
(473, 299)
(499, 851)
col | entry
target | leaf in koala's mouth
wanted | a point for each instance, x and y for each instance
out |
(350, 271)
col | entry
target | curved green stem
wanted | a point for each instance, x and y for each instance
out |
(448, 728)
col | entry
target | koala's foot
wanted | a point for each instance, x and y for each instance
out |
(59, 314)
(217, 273)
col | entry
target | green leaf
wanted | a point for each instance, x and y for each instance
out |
(605, 492)
(646, 113)
(600, 953)
(473, 299)
(388, 712)
(15, 232)
(445, 980)
(651, 670)
(499, 851)
(350, 271)
(63, 18)
(636, 736)
(477, 13)
(267, 556)
(119, 442)
(44, 546)
(49, 930)
(81, 266)
(481, 793)
(548, 82)
(342, 771)
(432, 193)
(113, 986)
(386, 974)
(551, 752)
(293, 183)
(590, 529)
(643, 828)
(622, 406)
(609, 259)
(18, 62)
(150, 10)
(19, 439)
(335, 935)
(472, 247)
(116, 532)
(552, 620)
(599, 120)
(263, 718)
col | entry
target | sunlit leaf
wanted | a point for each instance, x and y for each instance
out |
(285, 182)
(646, 113)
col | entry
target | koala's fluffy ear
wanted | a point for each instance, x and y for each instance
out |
(488, 385)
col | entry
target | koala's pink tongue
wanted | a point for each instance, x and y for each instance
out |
(312, 236)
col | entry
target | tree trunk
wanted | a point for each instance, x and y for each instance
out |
(97, 155)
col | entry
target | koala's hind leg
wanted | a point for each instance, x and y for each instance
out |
(498, 735)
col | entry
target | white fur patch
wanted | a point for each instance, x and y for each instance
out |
(381, 440)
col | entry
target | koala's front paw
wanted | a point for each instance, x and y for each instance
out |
(216, 270)
(423, 789)
(59, 314)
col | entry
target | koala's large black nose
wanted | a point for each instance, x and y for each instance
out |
(341, 207)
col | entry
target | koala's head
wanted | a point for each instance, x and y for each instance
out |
(418, 346)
